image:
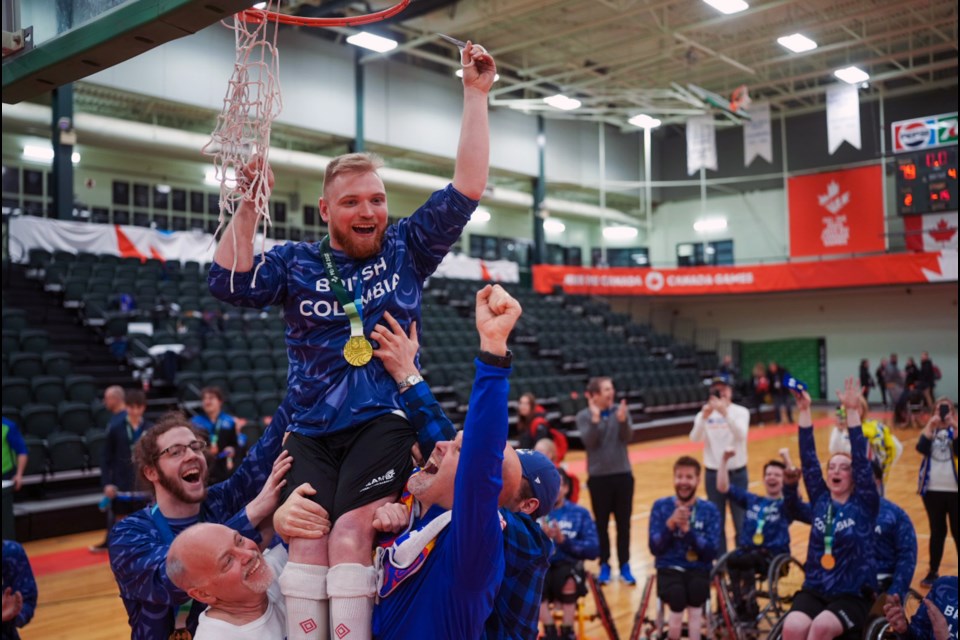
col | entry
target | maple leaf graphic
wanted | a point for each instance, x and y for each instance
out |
(833, 201)
(943, 231)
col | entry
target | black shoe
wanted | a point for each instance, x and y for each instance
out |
(927, 582)
(99, 548)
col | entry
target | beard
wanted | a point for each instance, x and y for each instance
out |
(264, 578)
(173, 486)
(685, 494)
(359, 248)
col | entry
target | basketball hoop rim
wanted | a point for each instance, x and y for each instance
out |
(258, 16)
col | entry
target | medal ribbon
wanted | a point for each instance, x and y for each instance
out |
(353, 308)
(828, 534)
(762, 516)
(182, 612)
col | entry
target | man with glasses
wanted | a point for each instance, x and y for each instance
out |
(169, 459)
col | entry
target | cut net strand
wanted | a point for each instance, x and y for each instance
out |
(251, 104)
(264, 15)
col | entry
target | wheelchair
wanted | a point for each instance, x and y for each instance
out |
(601, 611)
(655, 628)
(877, 627)
(770, 597)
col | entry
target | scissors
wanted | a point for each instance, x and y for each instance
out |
(460, 43)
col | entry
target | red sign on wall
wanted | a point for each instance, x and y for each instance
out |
(837, 212)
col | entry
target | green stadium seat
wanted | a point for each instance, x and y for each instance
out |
(56, 363)
(48, 389)
(25, 365)
(38, 420)
(37, 463)
(80, 388)
(67, 452)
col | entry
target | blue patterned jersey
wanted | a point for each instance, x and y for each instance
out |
(138, 552)
(853, 521)
(526, 558)
(670, 548)
(580, 541)
(943, 593)
(325, 393)
(776, 521)
(18, 575)
(896, 547)
(452, 594)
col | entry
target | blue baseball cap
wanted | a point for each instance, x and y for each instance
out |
(543, 477)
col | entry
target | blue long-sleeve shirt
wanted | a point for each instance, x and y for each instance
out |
(325, 393)
(943, 594)
(896, 547)
(18, 575)
(777, 516)
(138, 551)
(670, 548)
(853, 522)
(580, 540)
(427, 417)
(453, 593)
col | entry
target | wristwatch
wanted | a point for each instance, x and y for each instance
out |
(409, 381)
(494, 360)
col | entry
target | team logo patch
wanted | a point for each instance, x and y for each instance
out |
(342, 630)
(308, 625)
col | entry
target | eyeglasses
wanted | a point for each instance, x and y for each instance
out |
(176, 451)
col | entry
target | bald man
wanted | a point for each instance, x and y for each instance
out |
(217, 566)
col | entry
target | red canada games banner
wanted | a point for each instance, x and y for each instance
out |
(901, 268)
(837, 212)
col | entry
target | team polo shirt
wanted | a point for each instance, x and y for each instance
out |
(670, 548)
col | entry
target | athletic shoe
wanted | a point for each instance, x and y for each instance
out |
(927, 582)
(604, 576)
(626, 575)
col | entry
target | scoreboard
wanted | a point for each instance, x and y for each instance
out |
(927, 181)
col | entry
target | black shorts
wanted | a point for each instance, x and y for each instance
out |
(682, 589)
(557, 576)
(850, 610)
(353, 468)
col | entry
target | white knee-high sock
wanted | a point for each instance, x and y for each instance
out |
(674, 625)
(351, 588)
(304, 587)
(694, 616)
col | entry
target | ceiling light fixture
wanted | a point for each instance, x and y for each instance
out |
(710, 224)
(38, 153)
(797, 42)
(372, 41)
(619, 233)
(644, 121)
(852, 75)
(562, 102)
(480, 216)
(728, 6)
(553, 226)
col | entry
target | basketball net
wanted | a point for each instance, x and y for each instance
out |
(740, 99)
(251, 104)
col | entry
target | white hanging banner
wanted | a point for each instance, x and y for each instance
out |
(757, 138)
(843, 116)
(701, 144)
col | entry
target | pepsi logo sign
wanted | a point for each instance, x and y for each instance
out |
(912, 135)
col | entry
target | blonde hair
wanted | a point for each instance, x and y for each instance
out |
(350, 163)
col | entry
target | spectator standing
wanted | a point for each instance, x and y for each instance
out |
(533, 426)
(882, 381)
(938, 480)
(14, 453)
(866, 380)
(19, 590)
(778, 390)
(759, 384)
(723, 425)
(225, 439)
(116, 468)
(606, 431)
(893, 378)
(727, 370)
(927, 378)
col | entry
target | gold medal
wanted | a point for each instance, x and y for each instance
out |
(828, 562)
(358, 351)
(692, 555)
(758, 538)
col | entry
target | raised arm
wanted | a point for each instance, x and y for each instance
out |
(235, 247)
(810, 464)
(624, 422)
(473, 150)
(723, 473)
(866, 486)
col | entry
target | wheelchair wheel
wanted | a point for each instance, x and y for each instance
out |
(640, 620)
(785, 578)
(879, 629)
(603, 609)
(776, 633)
(722, 623)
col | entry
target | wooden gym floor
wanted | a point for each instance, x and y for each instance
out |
(79, 599)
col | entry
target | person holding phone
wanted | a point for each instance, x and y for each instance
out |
(723, 425)
(937, 481)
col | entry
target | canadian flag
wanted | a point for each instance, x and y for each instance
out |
(932, 232)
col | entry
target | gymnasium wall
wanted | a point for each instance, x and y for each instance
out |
(862, 323)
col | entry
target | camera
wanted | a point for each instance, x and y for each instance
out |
(716, 393)
(944, 410)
